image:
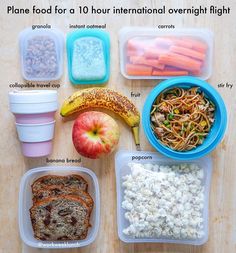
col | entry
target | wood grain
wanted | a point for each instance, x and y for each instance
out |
(222, 229)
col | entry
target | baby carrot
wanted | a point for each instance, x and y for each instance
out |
(188, 52)
(170, 73)
(138, 70)
(180, 42)
(197, 45)
(134, 52)
(180, 61)
(154, 52)
(149, 62)
(163, 42)
(133, 44)
(196, 72)
(139, 44)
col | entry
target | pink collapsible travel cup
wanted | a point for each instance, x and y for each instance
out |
(34, 112)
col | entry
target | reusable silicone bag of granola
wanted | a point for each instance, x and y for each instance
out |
(41, 53)
(88, 54)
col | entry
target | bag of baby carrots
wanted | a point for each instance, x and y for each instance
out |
(148, 53)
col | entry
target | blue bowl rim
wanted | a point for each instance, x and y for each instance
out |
(200, 150)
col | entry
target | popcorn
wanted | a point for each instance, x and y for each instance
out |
(164, 201)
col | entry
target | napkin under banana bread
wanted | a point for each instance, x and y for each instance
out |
(60, 218)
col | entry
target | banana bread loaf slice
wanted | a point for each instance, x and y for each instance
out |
(57, 190)
(60, 218)
(73, 180)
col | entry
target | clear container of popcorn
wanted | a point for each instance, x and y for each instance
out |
(161, 200)
(41, 54)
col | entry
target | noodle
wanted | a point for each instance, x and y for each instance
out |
(182, 118)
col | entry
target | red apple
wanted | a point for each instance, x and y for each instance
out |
(95, 134)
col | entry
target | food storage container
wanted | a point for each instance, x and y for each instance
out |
(150, 53)
(41, 53)
(25, 203)
(88, 54)
(34, 112)
(216, 132)
(123, 160)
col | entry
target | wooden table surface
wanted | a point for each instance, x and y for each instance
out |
(222, 214)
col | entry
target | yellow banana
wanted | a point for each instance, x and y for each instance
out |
(104, 98)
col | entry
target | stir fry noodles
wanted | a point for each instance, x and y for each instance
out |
(182, 118)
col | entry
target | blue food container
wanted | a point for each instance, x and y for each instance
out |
(217, 130)
(88, 56)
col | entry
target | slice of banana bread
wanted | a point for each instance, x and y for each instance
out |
(57, 190)
(60, 218)
(73, 180)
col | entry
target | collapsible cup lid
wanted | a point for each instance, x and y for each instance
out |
(33, 101)
(32, 96)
